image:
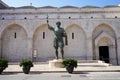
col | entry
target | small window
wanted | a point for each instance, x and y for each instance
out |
(43, 35)
(25, 17)
(69, 17)
(91, 17)
(15, 35)
(3, 18)
(115, 16)
(72, 35)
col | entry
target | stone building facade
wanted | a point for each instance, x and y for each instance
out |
(93, 33)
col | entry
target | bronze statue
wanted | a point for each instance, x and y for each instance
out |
(58, 40)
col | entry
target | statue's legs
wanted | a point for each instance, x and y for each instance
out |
(62, 52)
(56, 52)
(56, 47)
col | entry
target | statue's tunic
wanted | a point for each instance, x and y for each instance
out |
(59, 34)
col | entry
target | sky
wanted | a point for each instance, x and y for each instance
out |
(60, 3)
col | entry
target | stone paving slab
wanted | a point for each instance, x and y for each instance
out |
(62, 76)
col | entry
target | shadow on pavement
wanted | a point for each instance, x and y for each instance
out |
(79, 72)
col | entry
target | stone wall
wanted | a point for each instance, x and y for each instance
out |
(22, 30)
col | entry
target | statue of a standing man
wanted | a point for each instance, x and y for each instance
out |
(58, 40)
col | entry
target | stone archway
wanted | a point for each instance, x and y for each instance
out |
(106, 41)
(43, 43)
(14, 43)
(76, 42)
(104, 35)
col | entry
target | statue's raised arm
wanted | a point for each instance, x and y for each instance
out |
(49, 27)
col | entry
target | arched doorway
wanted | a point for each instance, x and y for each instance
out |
(14, 43)
(43, 43)
(76, 42)
(104, 44)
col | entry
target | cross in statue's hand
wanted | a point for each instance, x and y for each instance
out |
(47, 18)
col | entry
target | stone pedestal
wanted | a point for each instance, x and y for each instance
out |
(56, 63)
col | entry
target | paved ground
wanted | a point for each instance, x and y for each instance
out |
(62, 76)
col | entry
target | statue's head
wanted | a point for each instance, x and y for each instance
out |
(58, 23)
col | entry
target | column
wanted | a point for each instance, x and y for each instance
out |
(112, 54)
(30, 47)
(89, 49)
(118, 50)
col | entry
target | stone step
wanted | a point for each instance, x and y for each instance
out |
(90, 61)
(93, 64)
